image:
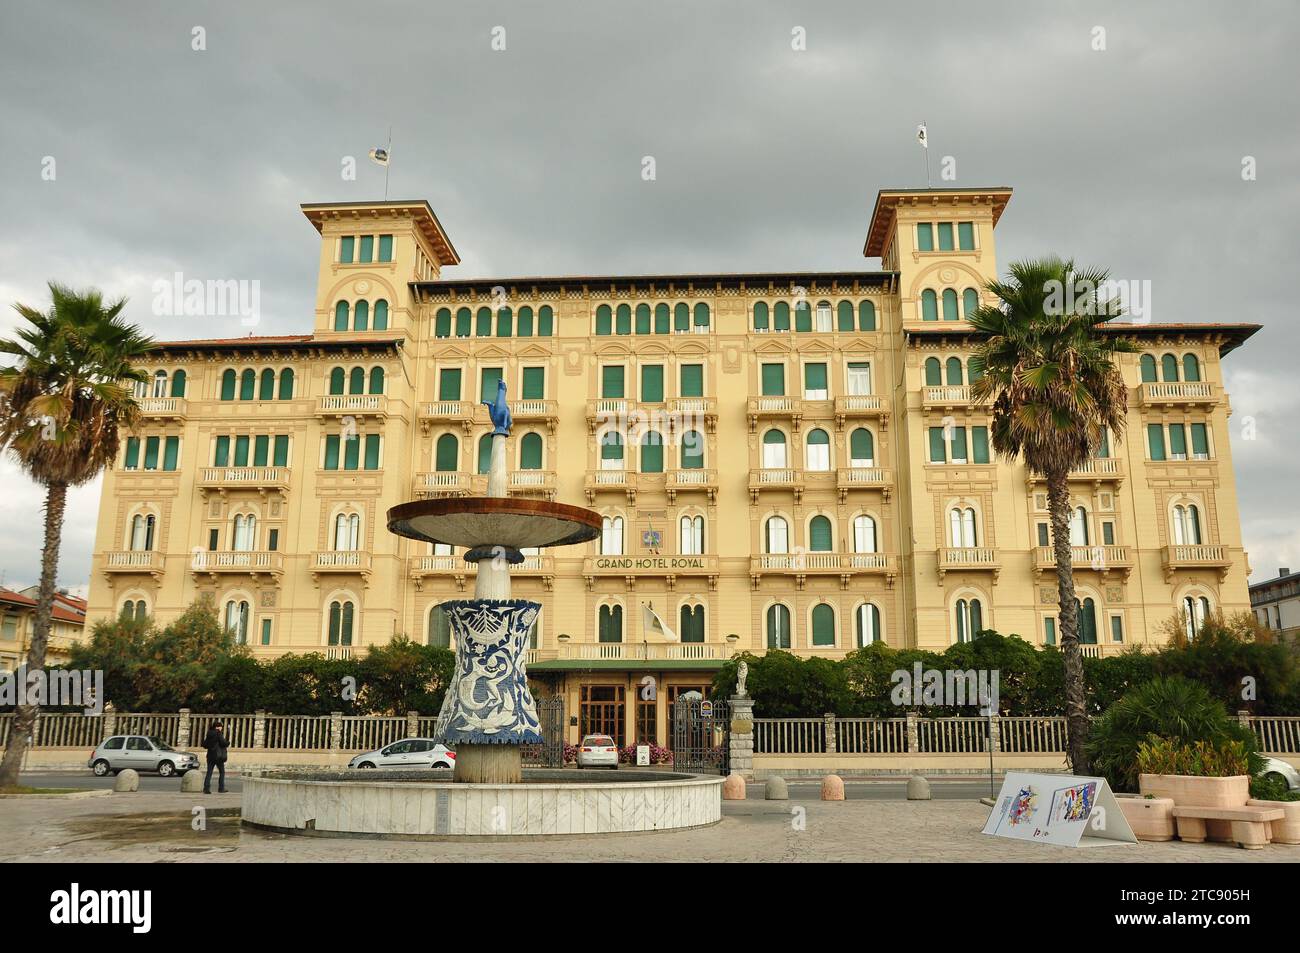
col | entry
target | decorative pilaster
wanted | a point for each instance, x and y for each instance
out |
(828, 721)
(336, 730)
(913, 733)
(259, 729)
(183, 730)
(741, 741)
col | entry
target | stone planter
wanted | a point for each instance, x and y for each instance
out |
(1287, 830)
(1151, 818)
(1192, 791)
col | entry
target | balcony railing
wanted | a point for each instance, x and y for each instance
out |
(703, 481)
(245, 478)
(341, 560)
(340, 405)
(256, 561)
(530, 410)
(969, 558)
(615, 410)
(175, 407)
(1195, 556)
(442, 483)
(858, 406)
(863, 478)
(1175, 393)
(802, 564)
(598, 481)
(775, 408)
(683, 412)
(947, 395)
(1096, 470)
(454, 567)
(636, 651)
(1098, 558)
(774, 478)
(531, 483)
(132, 560)
(447, 412)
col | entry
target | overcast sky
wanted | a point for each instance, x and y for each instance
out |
(168, 158)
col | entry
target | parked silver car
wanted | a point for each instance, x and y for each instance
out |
(140, 753)
(1283, 771)
(408, 753)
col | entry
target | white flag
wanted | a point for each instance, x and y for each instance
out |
(653, 623)
(379, 156)
(922, 137)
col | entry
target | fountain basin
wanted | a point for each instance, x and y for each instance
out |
(427, 805)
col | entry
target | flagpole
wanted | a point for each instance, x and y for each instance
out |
(389, 153)
(926, 150)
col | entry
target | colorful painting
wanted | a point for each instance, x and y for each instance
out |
(1022, 806)
(1074, 803)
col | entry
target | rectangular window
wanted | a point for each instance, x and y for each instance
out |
(937, 454)
(273, 540)
(773, 380)
(488, 384)
(266, 631)
(214, 537)
(151, 453)
(692, 380)
(611, 381)
(132, 458)
(652, 383)
(385, 247)
(814, 382)
(346, 246)
(281, 454)
(966, 236)
(924, 236)
(959, 445)
(171, 450)
(980, 444)
(1156, 441)
(241, 451)
(261, 450)
(372, 451)
(534, 383)
(1108, 533)
(945, 236)
(352, 452)
(1049, 631)
(1116, 628)
(367, 249)
(859, 379)
(332, 452)
(1044, 537)
(1200, 442)
(1177, 442)
(449, 383)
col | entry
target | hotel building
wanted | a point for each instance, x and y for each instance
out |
(784, 460)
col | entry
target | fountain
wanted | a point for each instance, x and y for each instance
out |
(488, 711)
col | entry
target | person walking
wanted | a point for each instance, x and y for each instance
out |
(215, 743)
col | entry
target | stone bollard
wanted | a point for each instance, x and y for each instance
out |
(774, 789)
(733, 788)
(128, 779)
(832, 788)
(192, 781)
(918, 788)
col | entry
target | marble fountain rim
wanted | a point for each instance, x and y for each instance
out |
(356, 778)
(588, 522)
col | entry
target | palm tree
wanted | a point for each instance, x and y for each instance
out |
(62, 405)
(1047, 365)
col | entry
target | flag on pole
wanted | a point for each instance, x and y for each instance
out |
(653, 623)
(379, 156)
(921, 136)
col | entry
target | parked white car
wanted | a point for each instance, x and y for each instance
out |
(598, 751)
(143, 754)
(411, 753)
(1272, 766)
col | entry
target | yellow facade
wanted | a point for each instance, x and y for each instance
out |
(288, 536)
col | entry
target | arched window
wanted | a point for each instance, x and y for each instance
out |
(347, 532)
(774, 450)
(247, 384)
(866, 316)
(1191, 368)
(663, 319)
(604, 320)
(692, 624)
(778, 626)
(439, 635)
(819, 450)
(1169, 368)
(530, 451)
(820, 535)
(823, 624)
(341, 316)
(505, 322)
(340, 622)
(701, 318)
(286, 384)
(1196, 609)
(933, 372)
(929, 305)
(623, 319)
(244, 538)
(682, 317)
(868, 625)
(950, 304)
(142, 529)
(776, 535)
(611, 536)
(159, 384)
(1087, 611)
(864, 534)
(266, 389)
(611, 624)
(483, 323)
(178, 384)
(338, 381)
(760, 315)
(961, 527)
(781, 316)
(692, 450)
(1187, 525)
(953, 371)
(652, 452)
(692, 535)
(1147, 366)
(545, 321)
(237, 620)
(135, 609)
(446, 453)
(643, 319)
(485, 453)
(970, 619)
(464, 322)
(970, 302)
(862, 448)
(376, 380)
(442, 325)
(228, 385)
(361, 316)
(611, 450)
(357, 380)
(844, 316)
(381, 315)
(1079, 526)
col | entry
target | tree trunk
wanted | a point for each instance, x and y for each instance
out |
(20, 732)
(1076, 712)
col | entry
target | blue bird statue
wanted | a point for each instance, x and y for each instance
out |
(499, 411)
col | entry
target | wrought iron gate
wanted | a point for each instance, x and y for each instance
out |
(550, 753)
(701, 736)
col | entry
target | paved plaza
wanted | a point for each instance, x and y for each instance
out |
(156, 827)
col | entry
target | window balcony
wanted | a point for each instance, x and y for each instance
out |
(224, 479)
(969, 559)
(133, 561)
(1098, 558)
(685, 413)
(445, 412)
(528, 411)
(1179, 556)
(861, 407)
(615, 410)
(864, 478)
(1179, 394)
(947, 396)
(775, 408)
(442, 483)
(164, 408)
(454, 568)
(606, 481)
(352, 405)
(686, 481)
(804, 564)
(763, 479)
(252, 563)
(1097, 470)
(635, 651)
(665, 567)
(340, 561)
(529, 483)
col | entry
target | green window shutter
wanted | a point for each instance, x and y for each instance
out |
(803, 315)
(286, 384)
(1177, 440)
(933, 372)
(1191, 368)
(488, 384)
(505, 322)
(357, 381)
(966, 236)
(611, 380)
(1156, 441)
(372, 451)
(1116, 629)
(866, 316)
(464, 323)
(652, 452)
(970, 302)
(352, 452)
(781, 316)
(701, 315)
(959, 443)
(950, 305)
(221, 453)
(485, 453)
(361, 316)
(611, 446)
(178, 384)
(381, 315)
(367, 252)
(261, 450)
(937, 445)
(1148, 365)
(929, 305)
(692, 380)
(525, 326)
(682, 317)
(545, 321)
(1044, 537)
(1200, 440)
(844, 316)
(337, 381)
(1049, 631)
(132, 459)
(530, 452)
(819, 535)
(652, 383)
(924, 236)
(446, 454)
(335, 621)
(1103, 447)
(266, 631)
(247, 384)
(692, 455)
(347, 245)
(952, 371)
(228, 385)
(241, 451)
(534, 383)
(449, 384)
(980, 444)
(623, 320)
(171, 450)
(663, 319)
(945, 236)
(760, 315)
(280, 455)
(376, 380)
(773, 380)
(266, 390)
(862, 445)
(1169, 368)
(341, 316)
(814, 377)
(483, 323)
(385, 247)
(1108, 533)
(604, 320)
(643, 319)
(332, 452)
(823, 625)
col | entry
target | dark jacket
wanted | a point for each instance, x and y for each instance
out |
(216, 745)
